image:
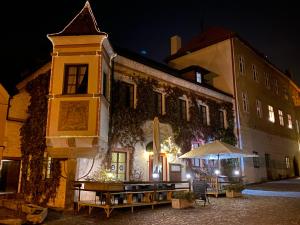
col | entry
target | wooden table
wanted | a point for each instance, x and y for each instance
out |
(148, 197)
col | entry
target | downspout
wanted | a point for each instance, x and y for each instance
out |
(112, 64)
(236, 105)
(8, 106)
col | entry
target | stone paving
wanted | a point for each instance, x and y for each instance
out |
(247, 210)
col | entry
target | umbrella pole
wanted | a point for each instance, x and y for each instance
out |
(219, 163)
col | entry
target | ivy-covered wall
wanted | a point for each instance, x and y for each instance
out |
(35, 185)
(126, 126)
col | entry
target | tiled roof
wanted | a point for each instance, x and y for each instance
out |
(84, 23)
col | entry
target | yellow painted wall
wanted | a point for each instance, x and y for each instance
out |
(19, 105)
(3, 112)
(215, 58)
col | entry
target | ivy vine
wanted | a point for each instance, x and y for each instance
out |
(126, 127)
(33, 145)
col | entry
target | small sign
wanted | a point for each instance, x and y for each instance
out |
(175, 167)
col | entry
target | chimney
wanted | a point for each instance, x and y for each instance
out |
(175, 44)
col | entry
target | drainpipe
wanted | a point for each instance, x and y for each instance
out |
(236, 106)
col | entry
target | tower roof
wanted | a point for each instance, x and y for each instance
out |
(84, 23)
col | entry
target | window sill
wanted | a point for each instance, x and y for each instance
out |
(74, 95)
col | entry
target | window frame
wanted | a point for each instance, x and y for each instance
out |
(267, 80)
(271, 114)
(77, 75)
(290, 121)
(256, 161)
(255, 73)
(125, 164)
(241, 65)
(105, 85)
(156, 93)
(281, 117)
(199, 75)
(259, 111)
(222, 119)
(185, 117)
(204, 121)
(245, 102)
(276, 86)
(132, 97)
(287, 162)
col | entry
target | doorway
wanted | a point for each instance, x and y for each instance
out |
(161, 167)
(9, 179)
(296, 166)
(175, 172)
(268, 166)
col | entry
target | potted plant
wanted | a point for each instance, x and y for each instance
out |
(234, 190)
(183, 200)
(103, 180)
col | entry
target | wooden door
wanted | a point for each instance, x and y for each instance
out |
(175, 172)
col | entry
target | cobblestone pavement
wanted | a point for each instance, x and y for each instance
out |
(281, 185)
(247, 210)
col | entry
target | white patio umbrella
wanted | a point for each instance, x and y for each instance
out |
(216, 150)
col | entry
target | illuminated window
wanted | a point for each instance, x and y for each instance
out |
(271, 114)
(203, 114)
(287, 162)
(158, 103)
(242, 65)
(118, 165)
(290, 124)
(198, 77)
(47, 167)
(182, 109)
(256, 160)
(126, 95)
(76, 79)
(267, 80)
(280, 114)
(276, 87)
(258, 108)
(245, 102)
(254, 73)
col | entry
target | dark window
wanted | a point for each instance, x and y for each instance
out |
(76, 79)
(127, 95)
(221, 116)
(196, 162)
(158, 103)
(182, 109)
(255, 160)
(105, 85)
(203, 114)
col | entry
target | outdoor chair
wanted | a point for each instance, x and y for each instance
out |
(200, 191)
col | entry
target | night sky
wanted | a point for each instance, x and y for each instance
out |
(146, 26)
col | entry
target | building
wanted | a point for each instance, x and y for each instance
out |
(93, 107)
(266, 99)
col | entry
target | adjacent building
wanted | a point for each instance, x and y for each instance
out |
(266, 99)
